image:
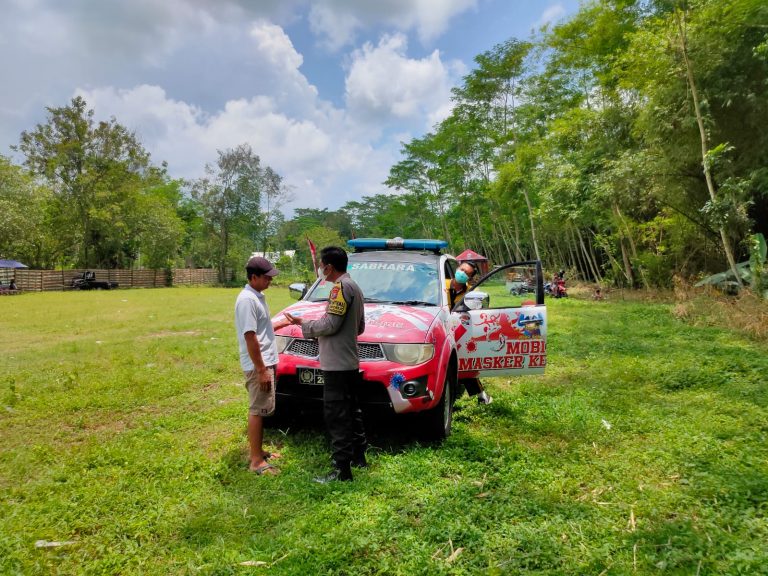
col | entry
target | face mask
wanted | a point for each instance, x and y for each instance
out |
(461, 277)
(320, 273)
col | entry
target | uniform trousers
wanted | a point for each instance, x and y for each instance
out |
(343, 417)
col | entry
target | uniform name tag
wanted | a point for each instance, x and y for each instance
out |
(336, 303)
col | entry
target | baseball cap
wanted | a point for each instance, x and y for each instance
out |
(262, 266)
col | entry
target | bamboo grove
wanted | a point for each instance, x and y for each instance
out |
(626, 145)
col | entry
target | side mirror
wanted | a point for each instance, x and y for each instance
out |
(476, 300)
(297, 290)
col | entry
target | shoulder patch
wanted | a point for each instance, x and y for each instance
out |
(336, 303)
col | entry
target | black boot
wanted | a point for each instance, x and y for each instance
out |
(341, 473)
(359, 461)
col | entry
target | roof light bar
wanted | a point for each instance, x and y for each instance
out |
(361, 244)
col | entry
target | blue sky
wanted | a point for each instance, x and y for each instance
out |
(323, 91)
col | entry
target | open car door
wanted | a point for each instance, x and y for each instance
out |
(500, 326)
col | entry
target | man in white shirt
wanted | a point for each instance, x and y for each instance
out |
(258, 356)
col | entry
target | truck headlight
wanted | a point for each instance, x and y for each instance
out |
(282, 343)
(409, 354)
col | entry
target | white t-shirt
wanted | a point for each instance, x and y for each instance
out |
(252, 315)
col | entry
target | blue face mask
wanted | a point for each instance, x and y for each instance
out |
(461, 277)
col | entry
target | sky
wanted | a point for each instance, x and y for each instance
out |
(325, 92)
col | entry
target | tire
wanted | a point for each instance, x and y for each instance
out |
(438, 420)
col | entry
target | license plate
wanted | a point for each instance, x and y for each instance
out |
(310, 376)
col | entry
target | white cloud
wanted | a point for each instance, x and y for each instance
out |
(194, 76)
(335, 30)
(273, 44)
(317, 160)
(431, 18)
(384, 83)
(338, 21)
(551, 15)
(275, 70)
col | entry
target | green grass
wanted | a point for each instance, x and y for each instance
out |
(122, 429)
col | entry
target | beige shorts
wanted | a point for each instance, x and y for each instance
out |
(260, 402)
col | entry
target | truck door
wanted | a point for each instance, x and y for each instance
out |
(500, 326)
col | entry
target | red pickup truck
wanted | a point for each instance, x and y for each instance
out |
(416, 352)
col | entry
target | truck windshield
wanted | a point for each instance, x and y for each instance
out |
(390, 282)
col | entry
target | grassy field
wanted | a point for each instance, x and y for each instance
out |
(122, 435)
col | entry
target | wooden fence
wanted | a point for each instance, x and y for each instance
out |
(45, 280)
(190, 276)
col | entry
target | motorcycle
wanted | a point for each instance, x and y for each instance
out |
(556, 288)
(520, 287)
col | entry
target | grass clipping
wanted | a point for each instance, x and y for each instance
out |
(707, 306)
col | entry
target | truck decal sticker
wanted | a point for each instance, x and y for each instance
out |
(502, 362)
(497, 340)
(384, 314)
(382, 266)
(396, 380)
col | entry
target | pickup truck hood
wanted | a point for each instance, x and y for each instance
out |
(383, 322)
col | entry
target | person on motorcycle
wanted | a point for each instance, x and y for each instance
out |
(558, 285)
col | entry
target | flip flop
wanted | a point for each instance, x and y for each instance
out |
(264, 470)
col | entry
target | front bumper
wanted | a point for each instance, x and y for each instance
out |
(384, 384)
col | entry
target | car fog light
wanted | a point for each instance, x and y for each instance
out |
(409, 389)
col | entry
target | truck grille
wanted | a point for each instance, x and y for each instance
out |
(367, 351)
(306, 348)
(309, 349)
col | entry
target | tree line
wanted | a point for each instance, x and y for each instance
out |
(625, 144)
(88, 196)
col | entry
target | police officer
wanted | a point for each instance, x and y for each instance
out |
(336, 332)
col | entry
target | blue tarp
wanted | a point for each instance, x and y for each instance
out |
(12, 264)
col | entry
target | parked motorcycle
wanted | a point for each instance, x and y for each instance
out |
(520, 287)
(557, 288)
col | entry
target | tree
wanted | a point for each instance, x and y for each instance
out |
(292, 233)
(231, 197)
(160, 227)
(420, 174)
(96, 171)
(274, 195)
(698, 73)
(515, 177)
(623, 144)
(681, 40)
(320, 237)
(25, 233)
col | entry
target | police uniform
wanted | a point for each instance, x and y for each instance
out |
(455, 296)
(336, 332)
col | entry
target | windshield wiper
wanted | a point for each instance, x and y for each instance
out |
(377, 301)
(414, 303)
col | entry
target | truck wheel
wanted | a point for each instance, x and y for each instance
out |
(439, 419)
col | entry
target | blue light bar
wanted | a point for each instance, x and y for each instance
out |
(360, 244)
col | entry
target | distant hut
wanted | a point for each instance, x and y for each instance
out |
(478, 260)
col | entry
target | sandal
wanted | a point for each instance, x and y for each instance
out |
(265, 469)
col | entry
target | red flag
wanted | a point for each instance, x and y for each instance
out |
(313, 251)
